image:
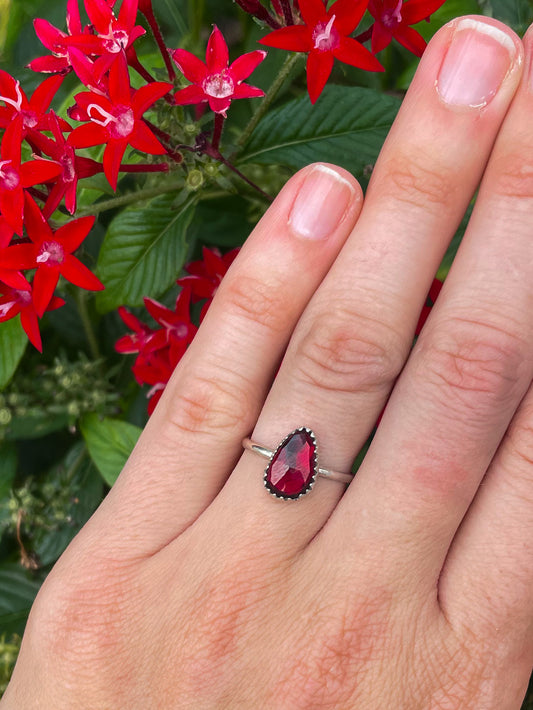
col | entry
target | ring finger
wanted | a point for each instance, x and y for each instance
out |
(355, 335)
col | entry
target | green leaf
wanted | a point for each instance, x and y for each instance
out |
(8, 467)
(143, 252)
(346, 126)
(110, 442)
(13, 341)
(18, 589)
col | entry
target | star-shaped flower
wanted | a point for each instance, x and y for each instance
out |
(216, 81)
(14, 301)
(51, 253)
(205, 275)
(325, 37)
(392, 19)
(116, 121)
(14, 177)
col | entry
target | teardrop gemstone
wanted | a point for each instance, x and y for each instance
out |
(292, 470)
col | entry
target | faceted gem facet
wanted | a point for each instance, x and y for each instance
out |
(292, 470)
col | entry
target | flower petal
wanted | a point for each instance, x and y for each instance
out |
(12, 141)
(87, 135)
(219, 105)
(160, 313)
(44, 93)
(381, 37)
(128, 14)
(50, 65)
(144, 140)
(50, 36)
(72, 234)
(30, 324)
(217, 55)
(319, 66)
(190, 95)
(100, 15)
(415, 11)
(348, 14)
(37, 227)
(244, 65)
(13, 279)
(113, 155)
(12, 208)
(148, 95)
(44, 283)
(245, 91)
(352, 52)
(190, 66)
(296, 38)
(119, 81)
(18, 256)
(36, 171)
(73, 17)
(79, 275)
(313, 11)
(410, 39)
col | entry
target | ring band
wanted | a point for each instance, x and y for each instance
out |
(293, 466)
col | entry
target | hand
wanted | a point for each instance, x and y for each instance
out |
(192, 587)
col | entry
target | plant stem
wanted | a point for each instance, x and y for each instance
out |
(81, 299)
(196, 13)
(217, 133)
(287, 12)
(156, 31)
(129, 199)
(269, 97)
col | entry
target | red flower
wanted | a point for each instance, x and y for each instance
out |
(74, 167)
(325, 37)
(215, 81)
(117, 121)
(33, 112)
(55, 40)
(158, 351)
(15, 301)
(14, 177)
(12, 277)
(51, 254)
(207, 274)
(392, 19)
(114, 34)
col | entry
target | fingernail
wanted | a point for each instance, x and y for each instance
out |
(320, 204)
(476, 63)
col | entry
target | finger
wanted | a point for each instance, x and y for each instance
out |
(354, 336)
(488, 576)
(463, 381)
(213, 399)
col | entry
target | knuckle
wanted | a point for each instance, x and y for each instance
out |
(515, 179)
(479, 364)
(207, 405)
(257, 302)
(348, 352)
(417, 180)
(332, 657)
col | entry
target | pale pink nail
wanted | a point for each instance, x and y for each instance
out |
(476, 63)
(320, 203)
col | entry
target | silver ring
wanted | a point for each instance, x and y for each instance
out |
(293, 466)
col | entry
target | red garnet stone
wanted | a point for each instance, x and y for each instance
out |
(293, 468)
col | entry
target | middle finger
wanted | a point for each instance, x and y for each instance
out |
(355, 335)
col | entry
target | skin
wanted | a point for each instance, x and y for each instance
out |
(191, 587)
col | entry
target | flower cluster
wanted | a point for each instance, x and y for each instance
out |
(33, 254)
(160, 349)
(325, 34)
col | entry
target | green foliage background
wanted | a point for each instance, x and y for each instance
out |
(68, 419)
